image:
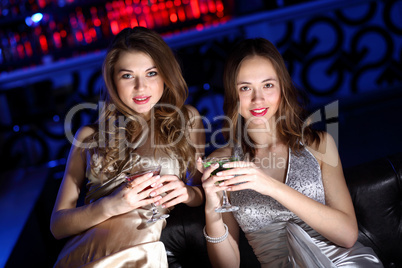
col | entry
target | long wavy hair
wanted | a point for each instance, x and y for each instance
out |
(170, 116)
(291, 124)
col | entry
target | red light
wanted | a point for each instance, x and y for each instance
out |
(43, 43)
(129, 10)
(122, 11)
(162, 6)
(189, 12)
(154, 8)
(115, 27)
(63, 33)
(42, 3)
(169, 4)
(158, 20)
(203, 8)
(28, 48)
(57, 39)
(211, 6)
(123, 25)
(165, 17)
(145, 9)
(199, 27)
(92, 32)
(219, 6)
(173, 17)
(133, 23)
(195, 8)
(143, 23)
(20, 49)
(78, 36)
(88, 38)
(177, 3)
(137, 10)
(97, 22)
(182, 14)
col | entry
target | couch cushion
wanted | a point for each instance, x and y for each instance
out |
(376, 190)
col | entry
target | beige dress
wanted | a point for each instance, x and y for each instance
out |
(125, 240)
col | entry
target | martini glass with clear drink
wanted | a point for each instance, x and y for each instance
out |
(226, 206)
(156, 215)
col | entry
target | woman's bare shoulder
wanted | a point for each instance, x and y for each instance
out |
(84, 132)
(325, 151)
(191, 111)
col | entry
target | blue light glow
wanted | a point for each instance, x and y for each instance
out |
(52, 163)
(28, 21)
(37, 17)
(207, 86)
(34, 19)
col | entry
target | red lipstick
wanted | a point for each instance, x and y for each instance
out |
(141, 99)
(259, 112)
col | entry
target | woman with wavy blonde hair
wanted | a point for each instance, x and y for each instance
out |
(143, 122)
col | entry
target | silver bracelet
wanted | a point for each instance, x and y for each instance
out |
(216, 239)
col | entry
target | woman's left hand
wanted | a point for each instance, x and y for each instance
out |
(246, 176)
(176, 191)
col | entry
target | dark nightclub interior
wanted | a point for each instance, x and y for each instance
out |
(344, 54)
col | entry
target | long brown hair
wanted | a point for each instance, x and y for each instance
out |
(290, 116)
(170, 115)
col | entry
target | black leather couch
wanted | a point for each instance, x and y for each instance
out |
(375, 187)
(376, 190)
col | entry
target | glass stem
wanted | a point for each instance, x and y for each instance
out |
(225, 199)
(154, 209)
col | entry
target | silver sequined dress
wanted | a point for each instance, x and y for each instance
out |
(281, 239)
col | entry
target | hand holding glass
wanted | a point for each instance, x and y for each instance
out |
(226, 206)
(156, 215)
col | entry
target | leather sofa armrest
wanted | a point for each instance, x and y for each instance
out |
(376, 191)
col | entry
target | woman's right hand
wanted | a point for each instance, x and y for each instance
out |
(212, 189)
(132, 195)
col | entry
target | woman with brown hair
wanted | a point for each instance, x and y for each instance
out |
(293, 203)
(143, 122)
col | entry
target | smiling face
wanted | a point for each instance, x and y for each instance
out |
(259, 91)
(138, 83)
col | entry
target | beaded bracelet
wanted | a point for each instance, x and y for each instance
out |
(216, 239)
